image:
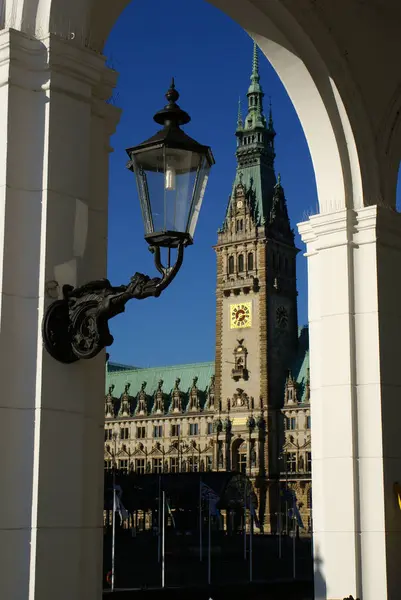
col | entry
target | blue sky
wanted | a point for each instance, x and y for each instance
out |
(210, 57)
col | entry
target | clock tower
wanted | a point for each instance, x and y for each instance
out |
(256, 318)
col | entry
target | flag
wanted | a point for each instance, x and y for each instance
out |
(212, 497)
(249, 502)
(120, 508)
(254, 515)
(294, 511)
(170, 513)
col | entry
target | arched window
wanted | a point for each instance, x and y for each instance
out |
(239, 455)
(240, 263)
(241, 224)
(231, 265)
(250, 261)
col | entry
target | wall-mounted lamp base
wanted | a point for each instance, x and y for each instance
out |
(55, 332)
(76, 327)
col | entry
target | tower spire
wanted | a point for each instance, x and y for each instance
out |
(255, 77)
(240, 122)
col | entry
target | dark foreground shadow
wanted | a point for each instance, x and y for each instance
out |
(290, 590)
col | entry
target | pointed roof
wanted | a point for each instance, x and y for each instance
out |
(255, 150)
(240, 123)
(279, 221)
(255, 75)
(300, 365)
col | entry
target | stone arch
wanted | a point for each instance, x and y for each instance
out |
(314, 73)
(239, 450)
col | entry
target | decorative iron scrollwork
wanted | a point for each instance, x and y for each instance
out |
(76, 327)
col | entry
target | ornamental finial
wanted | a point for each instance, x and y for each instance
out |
(255, 63)
(172, 95)
(240, 122)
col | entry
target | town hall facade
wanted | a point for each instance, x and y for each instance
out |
(249, 410)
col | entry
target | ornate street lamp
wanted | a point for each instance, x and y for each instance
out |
(171, 171)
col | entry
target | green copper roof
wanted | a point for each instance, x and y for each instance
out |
(300, 367)
(137, 376)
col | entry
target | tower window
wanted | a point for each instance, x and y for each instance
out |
(157, 431)
(291, 462)
(250, 261)
(291, 423)
(242, 462)
(123, 464)
(240, 263)
(231, 265)
(124, 433)
(140, 466)
(193, 429)
(157, 465)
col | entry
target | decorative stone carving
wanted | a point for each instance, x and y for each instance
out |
(291, 389)
(176, 397)
(194, 404)
(125, 407)
(240, 370)
(240, 399)
(158, 403)
(211, 394)
(109, 404)
(142, 401)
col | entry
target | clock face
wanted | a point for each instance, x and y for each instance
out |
(282, 317)
(240, 204)
(240, 315)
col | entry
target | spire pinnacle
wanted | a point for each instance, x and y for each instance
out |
(240, 122)
(255, 64)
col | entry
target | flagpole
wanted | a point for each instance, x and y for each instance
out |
(250, 546)
(113, 534)
(293, 541)
(200, 520)
(163, 539)
(279, 533)
(209, 566)
(159, 516)
(245, 519)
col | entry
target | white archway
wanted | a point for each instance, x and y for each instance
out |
(57, 125)
(337, 160)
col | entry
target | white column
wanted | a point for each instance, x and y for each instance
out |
(354, 266)
(53, 226)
